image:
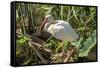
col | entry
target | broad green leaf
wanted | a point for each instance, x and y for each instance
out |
(88, 45)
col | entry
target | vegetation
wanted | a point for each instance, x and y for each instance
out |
(32, 49)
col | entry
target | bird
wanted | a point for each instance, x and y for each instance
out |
(60, 29)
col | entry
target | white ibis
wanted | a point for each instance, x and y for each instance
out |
(60, 29)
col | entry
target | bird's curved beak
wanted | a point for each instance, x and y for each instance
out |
(42, 25)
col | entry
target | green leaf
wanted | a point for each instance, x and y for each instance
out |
(78, 43)
(21, 41)
(88, 45)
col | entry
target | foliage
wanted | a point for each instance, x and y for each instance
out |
(88, 44)
(29, 17)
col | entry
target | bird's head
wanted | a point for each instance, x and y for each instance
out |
(49, 18)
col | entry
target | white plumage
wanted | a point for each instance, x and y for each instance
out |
(60, 29)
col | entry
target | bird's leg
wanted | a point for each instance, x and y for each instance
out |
(63, 51)
(63, 48)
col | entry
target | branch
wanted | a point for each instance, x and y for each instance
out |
(69, 54)
(36, 51)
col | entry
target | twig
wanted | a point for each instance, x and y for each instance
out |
(48, 39)
(37, 44)
(69, 54)
(37, 52)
